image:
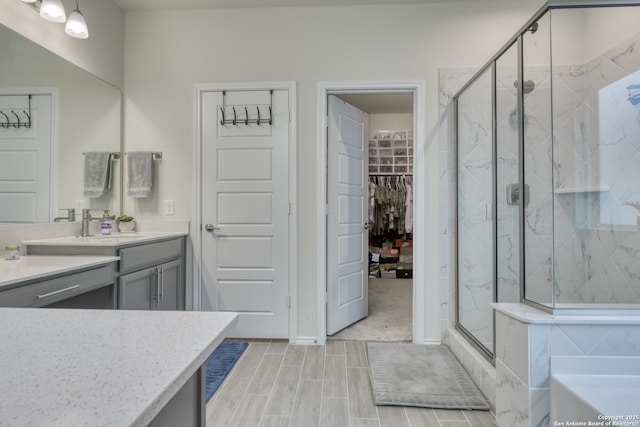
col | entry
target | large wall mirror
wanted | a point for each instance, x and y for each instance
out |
(42, 166)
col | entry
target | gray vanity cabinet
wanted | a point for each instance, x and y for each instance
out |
(136, 290)
(152, 276)
(171, 286)
(156, 288)
(86, 288)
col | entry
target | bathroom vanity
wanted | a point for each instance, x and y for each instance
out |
(106, 367)
(59, 281)
(132, 363)
(149, 274)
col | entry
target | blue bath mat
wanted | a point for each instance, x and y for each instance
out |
(221, 361)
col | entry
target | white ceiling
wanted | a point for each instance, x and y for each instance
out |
(128, 5)
(381, 103)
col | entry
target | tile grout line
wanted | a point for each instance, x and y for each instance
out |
(467, 418)
(244, 394)
(295, 397)
(275, 380)
(346, 381)
(324, 374)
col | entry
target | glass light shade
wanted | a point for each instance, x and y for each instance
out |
(52, 10)
(77, 25)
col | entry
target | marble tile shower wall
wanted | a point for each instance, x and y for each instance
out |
(450, 81)
(597, 155)
(508, 273)
(596, 237)
(475, 249)
(586, 155)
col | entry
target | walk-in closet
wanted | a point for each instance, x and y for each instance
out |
(390, 218)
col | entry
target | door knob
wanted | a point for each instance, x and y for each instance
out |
(367, 226)
(211, 228)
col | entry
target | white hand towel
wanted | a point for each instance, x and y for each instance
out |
(97, 173)
(140, 167)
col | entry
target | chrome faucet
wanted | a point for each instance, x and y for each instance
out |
(86, 218)
(71, 216)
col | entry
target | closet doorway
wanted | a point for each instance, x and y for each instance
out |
(369, 240)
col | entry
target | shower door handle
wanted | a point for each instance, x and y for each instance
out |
(513, 194)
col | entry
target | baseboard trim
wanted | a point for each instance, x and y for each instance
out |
(306, 341)
(432, 342)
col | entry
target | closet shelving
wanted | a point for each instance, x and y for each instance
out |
(391, 153)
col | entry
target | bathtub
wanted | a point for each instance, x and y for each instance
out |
(590, 390)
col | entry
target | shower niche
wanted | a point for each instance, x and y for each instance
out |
(556, 112)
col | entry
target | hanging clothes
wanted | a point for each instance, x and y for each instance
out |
(388, 204)
(409, 207)
(372, 202)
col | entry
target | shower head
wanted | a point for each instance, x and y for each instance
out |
(527, 87)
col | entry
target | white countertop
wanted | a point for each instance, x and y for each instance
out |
(114, 239)
(527, 314)
(32, 267)
(99, 367)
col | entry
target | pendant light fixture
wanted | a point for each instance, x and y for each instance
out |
(76, 24)
(52, 10)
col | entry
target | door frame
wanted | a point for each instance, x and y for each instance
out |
(53, 161)
(419, 188)
(196, 240)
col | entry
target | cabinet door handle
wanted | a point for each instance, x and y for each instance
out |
(156, 272)
(59, 291)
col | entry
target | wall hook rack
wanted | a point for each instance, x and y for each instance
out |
(234, 121)
(17, 123)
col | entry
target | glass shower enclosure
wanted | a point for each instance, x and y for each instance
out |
(547, 149)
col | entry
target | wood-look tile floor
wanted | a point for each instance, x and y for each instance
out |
(277, 384)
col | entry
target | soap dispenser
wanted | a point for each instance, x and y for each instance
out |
(105, 224)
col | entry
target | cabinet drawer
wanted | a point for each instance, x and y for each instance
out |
(49, 291)
(137, 257)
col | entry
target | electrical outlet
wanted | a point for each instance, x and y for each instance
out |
(169, 207)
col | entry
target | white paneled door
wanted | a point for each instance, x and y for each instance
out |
(25, 159)
(347, 215)
(245, 210)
